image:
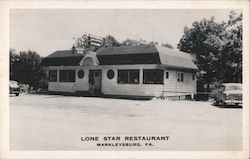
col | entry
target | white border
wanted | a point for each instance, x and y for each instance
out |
(4, 65)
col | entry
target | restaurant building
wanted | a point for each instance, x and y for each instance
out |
(129, 71)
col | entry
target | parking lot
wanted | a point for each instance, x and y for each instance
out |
(56, 122)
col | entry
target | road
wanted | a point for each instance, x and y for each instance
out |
(54, 122)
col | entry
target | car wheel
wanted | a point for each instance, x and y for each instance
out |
(17, 94)
(223, 103)
(217, 103)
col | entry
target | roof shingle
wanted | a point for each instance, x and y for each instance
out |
(126, 55)
(126, 50)
(62, 58)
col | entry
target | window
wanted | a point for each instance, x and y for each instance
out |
(52, 75)
(193, 77)
(97, 74)
(167, 75)
(152, 76)
(67, 76)
(128, 76)
(110, 74)
(80, 74)
(180, 77)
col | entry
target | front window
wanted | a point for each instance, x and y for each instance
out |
(152, 76)
(180, 77)
(128, 76)
(167, 75)
(52, 75)
(193, 77)
(67, 76)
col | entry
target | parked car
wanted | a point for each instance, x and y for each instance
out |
(14, 88)
(24, 88)
(229, 94)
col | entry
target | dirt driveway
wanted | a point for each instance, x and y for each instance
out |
(54, 122)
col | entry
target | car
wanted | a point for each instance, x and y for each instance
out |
(229, 94)
(14, 88)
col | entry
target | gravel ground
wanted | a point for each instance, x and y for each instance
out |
(54, 122)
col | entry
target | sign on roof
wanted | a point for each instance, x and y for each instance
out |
(80, 50)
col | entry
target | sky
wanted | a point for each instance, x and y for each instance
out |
(48, 30)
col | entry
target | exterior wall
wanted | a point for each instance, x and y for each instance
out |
(78, 85)
(82, 84)
(110, 86)
(171, 86)
(174, 88)
(62, 86)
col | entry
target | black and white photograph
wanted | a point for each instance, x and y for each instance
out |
(122, 79)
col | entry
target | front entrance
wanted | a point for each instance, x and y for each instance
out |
(95, 77)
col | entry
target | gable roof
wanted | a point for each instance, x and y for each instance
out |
(175, 58)
(144, 49)
(145, 54)
(63, 58)
(127, 55)
(64, 53)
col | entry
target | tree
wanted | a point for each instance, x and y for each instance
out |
(217, 48)
(153, 43)
(13, 58)
(232, 49)
(26, 68)
(110, 41)
(167, 45)
(88, 42)
(131, 42)
(82, 41)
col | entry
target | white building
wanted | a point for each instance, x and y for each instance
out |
(139, 71)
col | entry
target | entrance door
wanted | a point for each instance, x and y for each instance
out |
(95, 81)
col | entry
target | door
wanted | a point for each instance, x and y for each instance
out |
(95, 82)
